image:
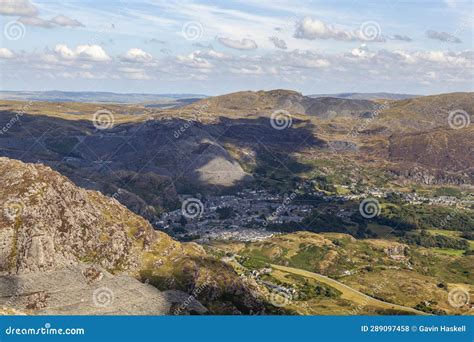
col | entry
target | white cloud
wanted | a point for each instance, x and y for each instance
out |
(92, 52)
(18, 8)
(300, 59)
(362, 52)
(194, 60)
(309, 28)
(80, 74)
(462, 59)
(87, 52)
(6, 53)
(293, 67)
(212, 54)
(64, 52)
(244, 44)
(135, 73)
(130, 70)
(28, 14)
(59, 20)
(35, 21)
(137, 55)
(62, 20)
(250, 70)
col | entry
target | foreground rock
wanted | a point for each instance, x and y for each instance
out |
(85, 290)
(49, 228)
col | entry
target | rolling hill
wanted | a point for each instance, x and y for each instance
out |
(223, 143)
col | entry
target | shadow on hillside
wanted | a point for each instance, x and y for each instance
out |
(170, 153)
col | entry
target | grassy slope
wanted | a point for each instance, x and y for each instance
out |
(406, 282)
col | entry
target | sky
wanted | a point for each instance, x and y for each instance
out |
(217, 47)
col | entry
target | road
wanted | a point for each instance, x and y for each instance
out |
(348, 292)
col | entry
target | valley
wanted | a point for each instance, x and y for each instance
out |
(267, 202)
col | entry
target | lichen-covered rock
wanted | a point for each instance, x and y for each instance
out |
(47, 223)
(72, 291)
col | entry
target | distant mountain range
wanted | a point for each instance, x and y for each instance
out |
(159, 100)
(367, 96)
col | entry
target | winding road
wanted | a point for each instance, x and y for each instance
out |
(348, 292)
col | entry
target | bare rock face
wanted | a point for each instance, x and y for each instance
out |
(86, 290)
(48, 223)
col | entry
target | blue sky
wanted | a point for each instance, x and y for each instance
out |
(215, 47)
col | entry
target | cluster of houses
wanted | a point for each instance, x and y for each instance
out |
(245, 215)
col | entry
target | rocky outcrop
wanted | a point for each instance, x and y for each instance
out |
(48, 223)
(421, 175)
(50, 229)
(86, 290)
